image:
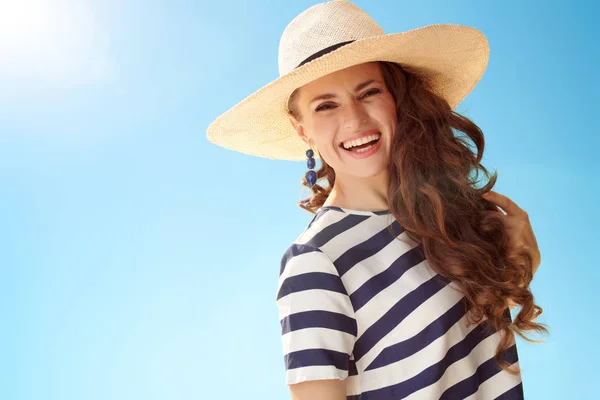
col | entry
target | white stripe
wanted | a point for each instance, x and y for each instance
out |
(377, 263)
(387, 298)
(318, 338)
(315, 261)
(416, 363)
(322, 222)
(415, 322)
(298, 375)
(498, 384)
(461, 369)
(352, 237)
(317, 299)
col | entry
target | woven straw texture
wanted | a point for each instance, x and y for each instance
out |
(450, 59)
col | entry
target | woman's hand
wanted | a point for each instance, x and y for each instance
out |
(517, 225)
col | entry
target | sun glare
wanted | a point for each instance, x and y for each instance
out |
(50, 40)
(26, 25)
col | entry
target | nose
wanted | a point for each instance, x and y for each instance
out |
(355, 115)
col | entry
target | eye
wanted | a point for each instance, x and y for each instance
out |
(325, 107)
(371, 92)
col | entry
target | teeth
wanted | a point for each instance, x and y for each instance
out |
(357, 142)
(365, 149)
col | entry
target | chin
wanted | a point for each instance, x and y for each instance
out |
(366, 169)
(370, 172)
(360, 168)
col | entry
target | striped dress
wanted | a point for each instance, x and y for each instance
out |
(357, 301)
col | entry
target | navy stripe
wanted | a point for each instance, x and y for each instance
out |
(352, 371)
(313, 357)
(318, 319)
(516, 393)
(382, 212)
(321, 238)
(366, 249)
(355, 397)
(335, 208)
(424, 338)
(318, 215)
(331, 231)
(293, 251)
(381, 281)
(433, 373)
(310, 281)
(485, 371)
(395, 315)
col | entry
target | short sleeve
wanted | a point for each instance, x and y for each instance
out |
(317, 319)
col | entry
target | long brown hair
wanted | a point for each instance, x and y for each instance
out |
(434, 192)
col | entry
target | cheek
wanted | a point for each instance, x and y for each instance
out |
(385, 115)
(388, 109)
(388, 117)
(324, 138)
(324, 133)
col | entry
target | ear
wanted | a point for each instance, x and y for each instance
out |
(300, 130)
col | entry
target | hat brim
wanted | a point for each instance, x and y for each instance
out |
(450, 59)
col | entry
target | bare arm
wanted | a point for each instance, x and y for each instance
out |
(330, 389)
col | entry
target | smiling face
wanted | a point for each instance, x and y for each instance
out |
(350, 117)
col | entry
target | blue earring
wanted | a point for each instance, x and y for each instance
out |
(311, 176)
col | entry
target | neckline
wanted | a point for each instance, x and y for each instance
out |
(355, 212)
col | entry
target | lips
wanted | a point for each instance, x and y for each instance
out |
(363, 150)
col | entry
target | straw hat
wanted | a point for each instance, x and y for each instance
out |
(334, 35)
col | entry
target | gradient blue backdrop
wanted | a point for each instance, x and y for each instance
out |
(138, 261)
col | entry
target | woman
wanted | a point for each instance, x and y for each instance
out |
(401, 285)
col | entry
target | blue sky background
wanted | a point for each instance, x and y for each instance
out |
(138, 261)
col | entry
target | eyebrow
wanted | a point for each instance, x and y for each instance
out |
(328, 96)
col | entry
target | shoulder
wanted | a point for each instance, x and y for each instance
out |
(333, 231)
(325, 225)
(309, 280)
